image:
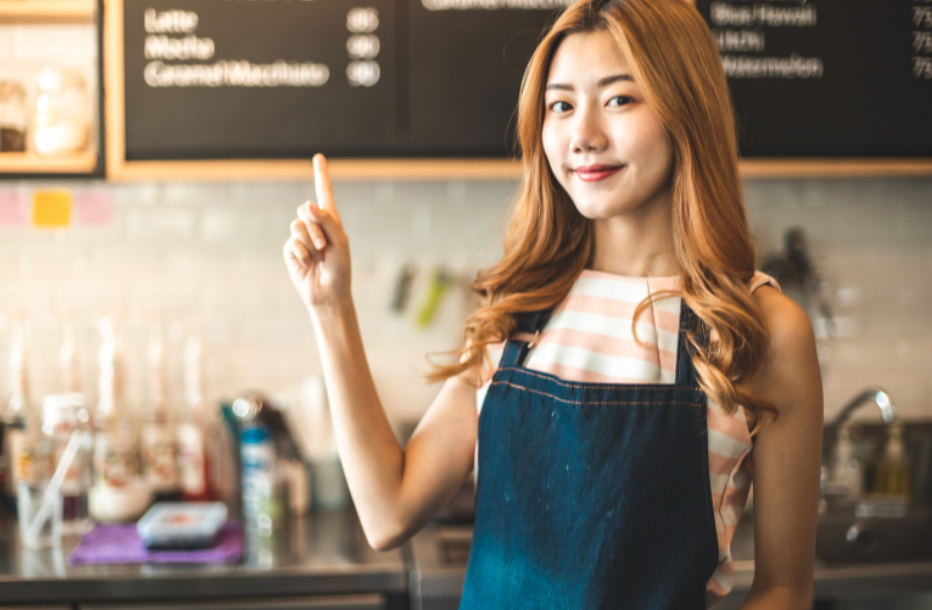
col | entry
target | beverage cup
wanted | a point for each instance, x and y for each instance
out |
(29, 506)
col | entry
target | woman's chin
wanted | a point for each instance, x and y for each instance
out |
(598, 208)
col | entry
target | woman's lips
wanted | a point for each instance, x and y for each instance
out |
(594, 173)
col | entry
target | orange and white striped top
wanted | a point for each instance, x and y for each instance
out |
(588, 338)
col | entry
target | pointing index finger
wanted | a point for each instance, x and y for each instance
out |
(322, 184)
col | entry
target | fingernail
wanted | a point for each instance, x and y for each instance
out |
(320, 244)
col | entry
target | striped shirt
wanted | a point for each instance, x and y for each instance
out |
(588, 339)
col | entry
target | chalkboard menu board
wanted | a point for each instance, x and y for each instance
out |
(828, 78)
(227, 79)
(284, 79)
(465, 75)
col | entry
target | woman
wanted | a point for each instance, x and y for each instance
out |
(625, 354)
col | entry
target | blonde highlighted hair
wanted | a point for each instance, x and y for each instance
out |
(674, 60)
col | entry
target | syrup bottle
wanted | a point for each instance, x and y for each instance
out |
(119, 493)
(193, 447)
(159, 455)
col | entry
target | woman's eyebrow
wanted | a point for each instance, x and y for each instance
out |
(604, 82)
(608, 80)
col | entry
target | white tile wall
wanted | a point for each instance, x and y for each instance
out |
(872, 242)
(208, 257)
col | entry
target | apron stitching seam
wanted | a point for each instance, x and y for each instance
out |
(570, 384)
(597, 402)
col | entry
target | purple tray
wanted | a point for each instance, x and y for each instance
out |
(120, 543)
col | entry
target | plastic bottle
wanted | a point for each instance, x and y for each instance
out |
(29, 448)
(892, 478)
(16, 407)
(193, 447)
(68, 361)
(159, 455)
(119, 492)
(257, 450)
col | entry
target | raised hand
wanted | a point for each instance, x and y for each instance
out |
(317, 253)
(441, 454)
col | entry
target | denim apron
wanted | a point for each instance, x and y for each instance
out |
(591, 495)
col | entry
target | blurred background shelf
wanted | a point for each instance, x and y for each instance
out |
(47, 11)
(468, 169)
(26, 163)
(834, 168)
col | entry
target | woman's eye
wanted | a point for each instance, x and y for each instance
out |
(620, 100)
(560, 106)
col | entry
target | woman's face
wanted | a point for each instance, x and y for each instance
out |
(604, 144)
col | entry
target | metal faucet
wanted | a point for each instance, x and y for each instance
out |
(877, 396)
(837, 488)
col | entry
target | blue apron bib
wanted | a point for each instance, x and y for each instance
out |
(591, 495)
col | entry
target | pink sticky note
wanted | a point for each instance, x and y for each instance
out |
(13, 206)
(92, 206)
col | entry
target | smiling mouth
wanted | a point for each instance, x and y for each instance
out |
(594, 173)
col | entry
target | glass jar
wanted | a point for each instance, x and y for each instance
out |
(38, 511)
(63, 115)
(12, 117)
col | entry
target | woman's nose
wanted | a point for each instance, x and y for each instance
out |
(588, 133)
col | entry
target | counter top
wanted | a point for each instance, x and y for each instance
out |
(322, 554)
(327, 554)
(440, 552)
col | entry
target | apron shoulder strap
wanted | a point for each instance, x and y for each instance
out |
(529, 322)
(685, 371)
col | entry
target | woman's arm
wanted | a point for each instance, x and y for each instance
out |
(396, 492)
(786, 456)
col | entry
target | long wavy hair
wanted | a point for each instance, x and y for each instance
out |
(674, 60)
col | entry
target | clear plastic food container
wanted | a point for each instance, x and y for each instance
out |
(181, 525)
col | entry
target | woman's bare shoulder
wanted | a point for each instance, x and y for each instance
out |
(787, 322)
(790, 355)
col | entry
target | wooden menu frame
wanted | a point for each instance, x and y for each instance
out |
(119, 168)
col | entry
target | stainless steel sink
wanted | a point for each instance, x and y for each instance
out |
(848, 539)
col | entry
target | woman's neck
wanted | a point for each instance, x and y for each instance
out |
(636, 244)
